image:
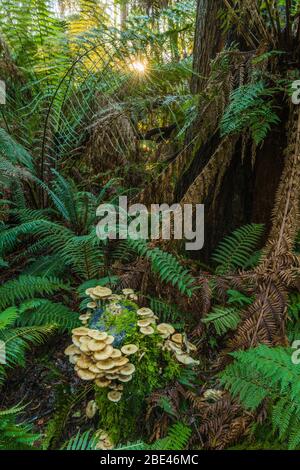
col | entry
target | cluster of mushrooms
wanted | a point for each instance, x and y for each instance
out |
(96, 359)
(173, 342)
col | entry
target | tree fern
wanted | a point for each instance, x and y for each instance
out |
(177, 439)
(41, 312)
(223, 319)
(27, 287)
(82, 441)
(19, 340)
(234, 251)
(268, 373)
(15, 434)
(249, 109)
(166, 266)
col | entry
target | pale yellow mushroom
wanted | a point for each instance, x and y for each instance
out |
(86, 374)
(92, 305)
(147, 330)
(83, 363)
(71, 350)
(186, 360)
(125, 378)
(116, 354)
(91, 409)
(145, 312)
(114, 396)
(121, 361)
(129, 349)
(93, 368)
(84, 339)
(110, 339)
(147, 322)
(102, 382)
(84, 317)
(127, 370)
(81, 331)
(97, 335)
(101, 292)
(73, 359)
(177, 338)
(96, 346)
(84, 348)
(107, 364)
(112, 376)
(104, 354)
(76, 341)
(127, 291)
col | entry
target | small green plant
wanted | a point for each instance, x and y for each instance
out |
(250, 109)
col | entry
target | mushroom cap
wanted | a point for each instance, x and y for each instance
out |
(86, 374)
(133, 297)
(121, 361)
(177, 338)
(186, 360)
(89, 291)
(165, 328)
(84, 348)
(101, 292)
(129, 349)
(125, 378)
(114, 396)
(75, 340)
(116, 297)
(114, 370)
(98, 335)
(173, 347)
(83, 363)
(127, 291)
(110, 339)
(104, 354)
(73, 359)
(91, 409)
(84, 339)
(71, 350)
(92, 305)
(102, 382)
(116, 353)
(93, 368)
(147, 322)
(127, 370)
(95, 345)
(147, 330)
(81, 331)
(112, 376)
(106, 364)
(84, 317)
(145, 312)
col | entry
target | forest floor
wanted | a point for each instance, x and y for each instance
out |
(47, 373)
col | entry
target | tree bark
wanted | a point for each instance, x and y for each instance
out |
(208, 41)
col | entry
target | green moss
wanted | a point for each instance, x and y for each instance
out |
(154, 368)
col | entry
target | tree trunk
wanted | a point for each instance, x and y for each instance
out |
(208, 41)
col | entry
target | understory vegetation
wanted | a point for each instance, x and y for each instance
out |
(168, 102)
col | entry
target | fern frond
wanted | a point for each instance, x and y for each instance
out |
(223, 319)
(234, 251)
(166, 266)
(26, 287)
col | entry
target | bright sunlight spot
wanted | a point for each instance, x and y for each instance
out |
(138, 66)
